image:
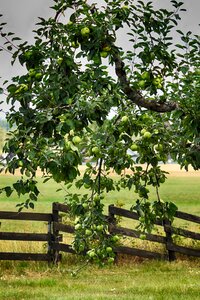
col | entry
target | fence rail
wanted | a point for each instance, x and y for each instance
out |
(168, 240)
(16, 236)
(7, 215)
(55, 228)
(188, 217)
(25, 256)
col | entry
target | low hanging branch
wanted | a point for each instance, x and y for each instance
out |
(135, 96)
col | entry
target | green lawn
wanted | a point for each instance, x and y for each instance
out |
(131, 278)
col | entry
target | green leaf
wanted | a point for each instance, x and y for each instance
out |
(8, 191)
(31, 205)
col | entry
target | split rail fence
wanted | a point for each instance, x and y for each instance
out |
(56, 229)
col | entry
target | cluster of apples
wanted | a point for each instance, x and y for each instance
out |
(34, 73)
(72, 140)
(85, 33)
(148, 79)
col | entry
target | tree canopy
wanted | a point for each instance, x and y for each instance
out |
(87, 94)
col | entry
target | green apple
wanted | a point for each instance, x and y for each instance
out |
(68, 145)
(96, 198)
(115, 238)
(147, 135)
(38, 76)
(143, 131)
(28, 54)
(103, 54)
(95, 150)
(100, 227)
(94, 227)
(124, 119)
(62, 118)
(155, 131)
(109, 249)
(77, 226)
(134, 147)
(197, 71)
(111, 260)
(85, 205)
(143, 236)
(142, 84)
(85, 31)
(76, 140)
(88, 232)
(91, 253)
(145, 75)
(31, 72)
(22, 88)
(158, 82)
(158, 147)
(81, 248)
(59, 61)
(20, 163)
(142, 219)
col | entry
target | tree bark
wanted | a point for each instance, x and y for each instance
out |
(135, 96)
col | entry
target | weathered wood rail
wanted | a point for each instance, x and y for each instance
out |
(56, 228)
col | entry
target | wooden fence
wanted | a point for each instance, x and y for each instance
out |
(168, 239)
(47, 237)
(56, 228)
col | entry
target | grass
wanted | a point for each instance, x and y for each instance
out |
(183, 191)
(131, 278)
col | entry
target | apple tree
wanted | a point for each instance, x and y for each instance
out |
(103, 81)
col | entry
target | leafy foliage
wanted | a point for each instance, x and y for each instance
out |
(66, 100)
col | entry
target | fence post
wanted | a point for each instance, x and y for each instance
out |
(168, 233)
(56, 218)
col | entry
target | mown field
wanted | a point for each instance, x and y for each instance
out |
(131, 278)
